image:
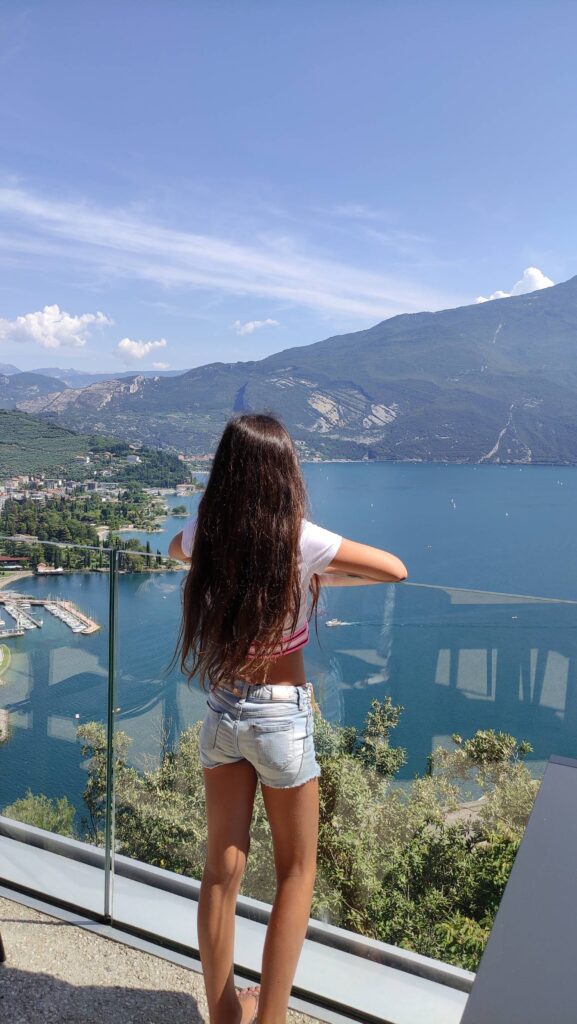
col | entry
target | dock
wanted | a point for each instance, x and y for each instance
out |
(4, 724)
(71, 616)
(5, 633)
(90, 626)
(19, 612)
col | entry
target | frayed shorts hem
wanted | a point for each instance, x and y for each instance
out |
(271, 785)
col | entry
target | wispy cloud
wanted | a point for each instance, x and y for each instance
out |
(533, 280)
(139, 349)
(161, 366)
(120, 242)
(253, 325)
(360, 211)
(52, 327)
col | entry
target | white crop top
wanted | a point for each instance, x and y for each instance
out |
(317, 548)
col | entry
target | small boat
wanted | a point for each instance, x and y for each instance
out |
(334, 622)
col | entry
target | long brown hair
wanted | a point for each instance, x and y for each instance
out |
(243, 585)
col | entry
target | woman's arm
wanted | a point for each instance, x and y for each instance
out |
(355, 564)
(331, 578)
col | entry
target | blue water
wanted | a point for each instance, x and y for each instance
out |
(487, 527)
(455, 661)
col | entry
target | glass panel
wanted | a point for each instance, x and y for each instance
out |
(154, 705)
(159, 795)
(438, 708)
(415, 845)
(422, 815)
(456, 659)
(54, 646)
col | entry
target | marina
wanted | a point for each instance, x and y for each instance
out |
(19, 606)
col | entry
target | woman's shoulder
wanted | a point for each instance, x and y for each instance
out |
(318, 545)
(314, 531)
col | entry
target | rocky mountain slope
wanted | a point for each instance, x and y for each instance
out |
(491, 382)
(27, 387)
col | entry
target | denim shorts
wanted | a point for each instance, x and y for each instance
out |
(270, 725)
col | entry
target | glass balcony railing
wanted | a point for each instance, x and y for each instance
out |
(55, 641)
(439, 708)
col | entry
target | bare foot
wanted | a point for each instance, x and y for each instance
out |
(248, 999)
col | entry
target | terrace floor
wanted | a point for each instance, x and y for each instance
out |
(59, 973)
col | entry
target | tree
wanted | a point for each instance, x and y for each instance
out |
(53, 815)
(393, 864)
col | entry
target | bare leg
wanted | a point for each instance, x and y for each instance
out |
(229, 794)
(294, 817)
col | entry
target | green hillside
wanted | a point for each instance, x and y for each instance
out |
(30, 445)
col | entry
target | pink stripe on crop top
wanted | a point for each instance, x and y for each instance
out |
(289, 643)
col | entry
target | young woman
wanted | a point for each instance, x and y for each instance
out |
(254, 559)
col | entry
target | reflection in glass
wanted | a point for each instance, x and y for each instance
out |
(414, 849)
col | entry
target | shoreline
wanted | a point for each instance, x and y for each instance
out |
(13, 577)
(19, 574)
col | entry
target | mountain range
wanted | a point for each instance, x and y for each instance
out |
(492, 382)
(81, 378)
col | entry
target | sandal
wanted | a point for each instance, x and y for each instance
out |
(255, 992)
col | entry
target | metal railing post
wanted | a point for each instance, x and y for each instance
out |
(111, 704)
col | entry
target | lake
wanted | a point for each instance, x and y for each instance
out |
(482, 635)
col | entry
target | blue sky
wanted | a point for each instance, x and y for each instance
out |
(185, 182)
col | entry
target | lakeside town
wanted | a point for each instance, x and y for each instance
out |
(105, 494)
(102, 493)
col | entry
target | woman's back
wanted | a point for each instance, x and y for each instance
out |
(317, 549)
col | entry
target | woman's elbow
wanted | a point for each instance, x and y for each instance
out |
(401, 571)
(175, 550)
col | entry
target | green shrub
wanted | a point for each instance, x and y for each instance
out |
(53, 815)
(403, 863)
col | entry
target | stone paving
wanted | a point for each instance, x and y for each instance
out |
(58, 973)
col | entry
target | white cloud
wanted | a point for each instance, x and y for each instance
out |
(139, 349)
(120, 243)
(253, 325)
(532, 281)
(161, 366)
(51, 327)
